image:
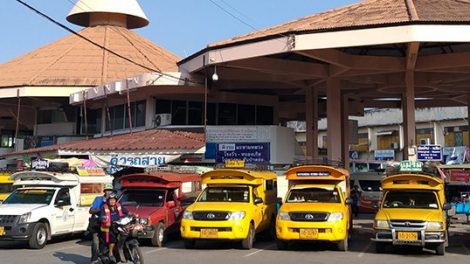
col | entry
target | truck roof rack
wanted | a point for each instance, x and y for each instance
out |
(428, 168)
(324, 162)
(246, 166)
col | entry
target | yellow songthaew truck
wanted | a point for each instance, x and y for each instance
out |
(412, 210)
(235, 205)
(316, 206)
(6, 185)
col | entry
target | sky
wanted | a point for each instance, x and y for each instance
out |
(181, 26)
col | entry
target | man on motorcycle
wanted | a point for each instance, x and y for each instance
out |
(94, 221)
(111, 212)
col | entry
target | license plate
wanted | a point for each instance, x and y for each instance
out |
(2, 230)
(409, 236)
(308, 233)
(209, 233)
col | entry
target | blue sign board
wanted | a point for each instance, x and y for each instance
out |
(429, 153)
(249, 152)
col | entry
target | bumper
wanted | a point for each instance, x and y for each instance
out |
(226, 230)
(17, 232)
(424, 237)
(326, 231)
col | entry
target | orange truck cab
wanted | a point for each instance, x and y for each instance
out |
(157, 198)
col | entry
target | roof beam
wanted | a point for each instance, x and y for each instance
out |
(281, 67)
(443, 61)
(412, 55)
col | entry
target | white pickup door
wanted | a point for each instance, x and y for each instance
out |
(63, 212)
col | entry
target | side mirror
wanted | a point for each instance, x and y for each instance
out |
(446, 207)
(60, 203)
(348, 201)
(170, 204)
(258, 200)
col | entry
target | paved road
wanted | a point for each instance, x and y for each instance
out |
(74, 250)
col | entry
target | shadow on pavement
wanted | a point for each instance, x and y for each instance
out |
(70, 257)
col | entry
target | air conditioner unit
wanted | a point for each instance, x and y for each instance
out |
(395, 145)
(162, 120)
(425, 141)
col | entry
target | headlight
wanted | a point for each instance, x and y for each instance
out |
(284, 216)
(434, 226)
(188, 215)
(24, 218)
(335, 217)
(381, 224)
(144, 221)
(236, 215)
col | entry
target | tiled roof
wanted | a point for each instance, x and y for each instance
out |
(72, 61)
(369, 13)
(150, 140)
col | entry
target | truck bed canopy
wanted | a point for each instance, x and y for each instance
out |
(234, 176)
(170, 180)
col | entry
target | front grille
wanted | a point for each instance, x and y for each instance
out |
(7, 219)
(210, 215)
(404, 224)
(308, 216)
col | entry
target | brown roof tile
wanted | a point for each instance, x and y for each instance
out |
(368, 13)
(72, 61)
(149, 140)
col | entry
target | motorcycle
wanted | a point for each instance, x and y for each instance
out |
(129, 229)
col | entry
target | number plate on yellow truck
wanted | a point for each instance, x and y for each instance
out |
(308, 233)
(209, 233)
(408, 236)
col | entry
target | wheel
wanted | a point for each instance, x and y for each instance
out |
(441, 250)
(282, 245)
(38, 237)
(247, 243)
(159, 237)
(343, 244)
(137, 256)
(189, 243)
(379, 247)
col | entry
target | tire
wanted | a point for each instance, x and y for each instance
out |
(137, 255)
(441, 249)
(380, 247)
(189, 243)
(343, 244)
(38, 237)
(247, 243)
(282, 245)
(159, 237)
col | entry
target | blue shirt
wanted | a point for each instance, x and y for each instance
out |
(98, 202)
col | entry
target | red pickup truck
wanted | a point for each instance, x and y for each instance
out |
(157, 198)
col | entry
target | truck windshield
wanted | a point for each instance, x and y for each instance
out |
(143, 197)
(30, 196)
(370, 186)
(410, 199)
(313, 195)
(225, 194)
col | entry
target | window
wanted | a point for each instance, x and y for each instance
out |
(63, 195)
(227, 114)
(178, 113)
(195, 113)
(212, 114)
(6, 139)
(264, 115)
(246, 115)
(120, 115)
(269, 185)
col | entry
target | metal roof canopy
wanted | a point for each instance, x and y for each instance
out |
(375, 54)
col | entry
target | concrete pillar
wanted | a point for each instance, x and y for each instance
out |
(345, 130)
(468, 117)
(150, 105)
(372, 139)
(408, 110)
(438, 134)
(311, 116)
(333, 113)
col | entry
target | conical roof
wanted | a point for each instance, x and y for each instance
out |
(369, 14)
(92, 12)
(72, 61)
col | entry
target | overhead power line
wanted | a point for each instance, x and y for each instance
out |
(99, 45)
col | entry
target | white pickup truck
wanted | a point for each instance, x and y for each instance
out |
(47, 204)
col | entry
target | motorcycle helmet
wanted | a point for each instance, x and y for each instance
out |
(112, 196)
